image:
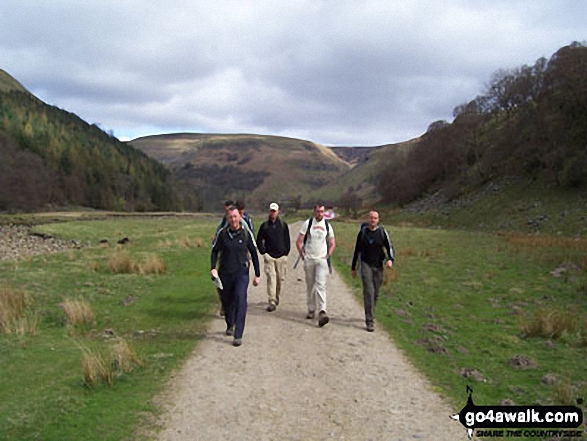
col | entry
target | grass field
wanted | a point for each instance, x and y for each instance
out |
(99, 330)
(505, 314)
(146, 323)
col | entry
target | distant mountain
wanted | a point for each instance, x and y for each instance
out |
(352, 155)
(50, 156)
(256, 168)
(368, 164)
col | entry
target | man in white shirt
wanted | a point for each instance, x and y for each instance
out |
(316, 244)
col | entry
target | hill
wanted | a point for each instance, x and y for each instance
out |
(368, 164)
(352, 155)
(50, 156)
(530, 125)
(256, 168)
(8, 83)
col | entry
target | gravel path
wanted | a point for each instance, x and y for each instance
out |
(291, 380)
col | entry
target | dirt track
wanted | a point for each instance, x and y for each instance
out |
(292, 380)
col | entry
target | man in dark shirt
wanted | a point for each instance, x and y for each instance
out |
(372, 242)
(274, 244)
(234, 243)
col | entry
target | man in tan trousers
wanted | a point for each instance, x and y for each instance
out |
(274, 244)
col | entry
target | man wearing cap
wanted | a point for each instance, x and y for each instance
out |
(274, 244)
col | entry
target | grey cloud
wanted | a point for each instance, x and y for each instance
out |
(336, 72)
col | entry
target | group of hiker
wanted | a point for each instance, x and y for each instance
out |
(235, 247)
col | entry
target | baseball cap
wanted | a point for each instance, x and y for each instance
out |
(274, 206)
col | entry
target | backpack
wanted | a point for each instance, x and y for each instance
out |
(327, 242)
(362, 231)
(222, 232)
(364, 227)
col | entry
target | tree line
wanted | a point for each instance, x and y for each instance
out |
(531, 121)
(50, 156)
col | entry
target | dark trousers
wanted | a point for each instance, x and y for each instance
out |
(234, 299)
(372, 277)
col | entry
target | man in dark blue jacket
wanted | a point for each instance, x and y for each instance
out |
(234, 244)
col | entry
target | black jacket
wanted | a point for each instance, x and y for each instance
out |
(233, 247)
(370, 245)
(273, 238)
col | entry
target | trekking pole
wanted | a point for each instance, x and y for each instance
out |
(297, 261)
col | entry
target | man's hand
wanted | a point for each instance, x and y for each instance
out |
(214, 273)
(389, 263)
(354, 274)
(256, 281)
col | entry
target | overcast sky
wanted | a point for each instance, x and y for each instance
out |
(335, 72)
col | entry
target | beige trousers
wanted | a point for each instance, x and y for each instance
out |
(275, 270)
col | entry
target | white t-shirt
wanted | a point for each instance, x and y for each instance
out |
(316, 245)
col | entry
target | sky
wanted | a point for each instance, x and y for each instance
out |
(336, 72)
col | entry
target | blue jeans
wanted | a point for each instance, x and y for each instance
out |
(234, 299)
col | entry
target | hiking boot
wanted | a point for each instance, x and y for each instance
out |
(310, 315)
(229, 331)
(370, 327)
(323, 319)
(237, 342)
(271, 308)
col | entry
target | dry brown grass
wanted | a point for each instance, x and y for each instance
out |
(96, 368)
(103, 366)
(153, 265)
(186, 242)
(78, 313)
(124, 358)
(165, 244)
(563, 393)
(545, 241)
(407, 251)
(549, 324)
(120, 262)
(15, 314)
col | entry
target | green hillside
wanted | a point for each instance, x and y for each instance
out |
(531, 122)
(362, 179)
(8, 83)
(256, 168)
(50, 156)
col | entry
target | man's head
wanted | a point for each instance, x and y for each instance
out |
(273, 211)
(240, 205)
(233, 217)
(319, 211)
(373, 219)
(227, 204)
